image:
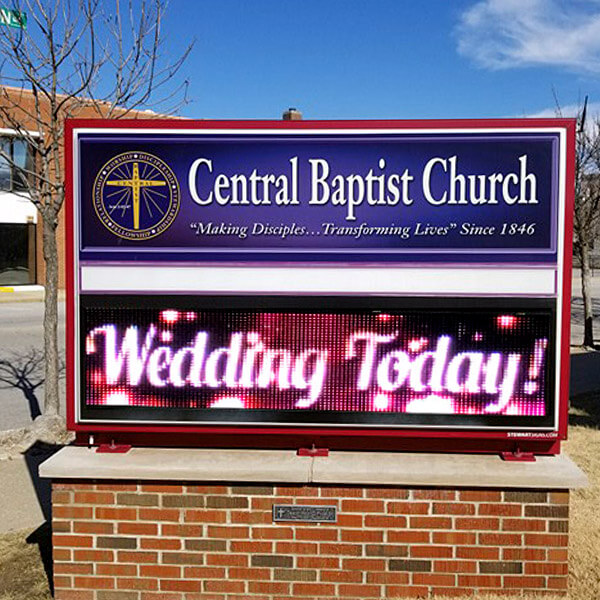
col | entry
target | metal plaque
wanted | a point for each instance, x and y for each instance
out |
(310, 514)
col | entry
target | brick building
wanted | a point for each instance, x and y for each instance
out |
(21, 254)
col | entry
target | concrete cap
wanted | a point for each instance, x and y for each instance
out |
(340, 468)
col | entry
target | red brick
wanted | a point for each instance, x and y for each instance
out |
(297, 491)
(116, 514)
(94, 583)
(94, 498)
(173, 596)
(137, 557)
(61, 526)
(61, 497)
(478, 552)
(92, 527)
(535, 554)
(136, 583)
(350, 520)
(389, 550)
(267, 503)
(455, 566)
(363, 564)
(294, 548)
(543, 539)
(215, 531)
(313, 589)
(92, 555)
(184, 531)
(385, 521)
(248, 573)
(160, 544)
(227, 560)
(250, 517)
(72, 512)
(409, 537)
(453, 592)
(431, 551)
(480, 581)
(480, 496)
(433, 579)
(434, 494)
(180, 585)
(269, 587)
(116, 570)
(341, 576)
(431, 522)
(386, 578)
(342, 549)
(401, 591)
(392, 493)
(455, 538)
(453, 508)
(363, 506)
(501, 510)
(318, 562)
(273, 533)
(74, 595)
(546, 568)
(359, 591)
(252, 547)
(160, 571)
(73, 541)
(204, 572)
(500, 539)
(559, 498)
(61, 554)
(159, 514)
(138, 528)
(558, 583)
(74, 568)
(520, 581)
(62, 581)
(475, 523)
(342, 492)
(408, 508)
(319, 534)
(558, 554)
(524, 525)
(204, 489)
(352, 535)
(117, 486)
(223, 585)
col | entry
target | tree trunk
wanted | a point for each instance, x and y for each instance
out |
(586, 291)
(51, 389)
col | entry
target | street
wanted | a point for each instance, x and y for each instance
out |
(21, 362)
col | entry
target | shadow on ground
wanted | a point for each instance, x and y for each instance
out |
(25, 372)
(42, 536)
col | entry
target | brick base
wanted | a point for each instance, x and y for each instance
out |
(144, 541)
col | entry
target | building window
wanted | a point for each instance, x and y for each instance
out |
(16, 160)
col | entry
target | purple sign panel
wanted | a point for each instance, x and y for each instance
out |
(292, 196)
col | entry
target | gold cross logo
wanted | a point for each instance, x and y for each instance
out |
(136, 184)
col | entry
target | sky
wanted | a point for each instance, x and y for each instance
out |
(386, 59)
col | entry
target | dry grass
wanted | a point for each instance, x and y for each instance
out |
(22, 575)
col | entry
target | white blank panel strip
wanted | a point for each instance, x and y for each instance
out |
(318, 280)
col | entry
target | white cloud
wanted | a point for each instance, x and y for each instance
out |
(500, 34)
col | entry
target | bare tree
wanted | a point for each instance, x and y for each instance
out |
(76, 58)
(586, 218)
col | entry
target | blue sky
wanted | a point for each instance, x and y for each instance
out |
(374, 59)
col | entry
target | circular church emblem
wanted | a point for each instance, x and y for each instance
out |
(136, 196)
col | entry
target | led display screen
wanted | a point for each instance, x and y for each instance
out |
(335, 362)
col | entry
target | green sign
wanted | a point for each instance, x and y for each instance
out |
(13, 18)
